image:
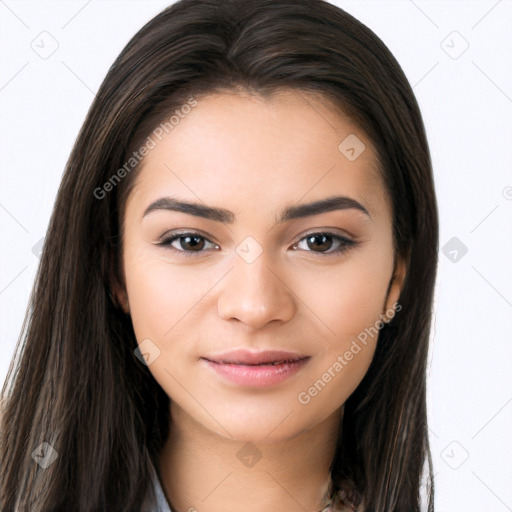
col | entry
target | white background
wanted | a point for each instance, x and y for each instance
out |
(466, 101)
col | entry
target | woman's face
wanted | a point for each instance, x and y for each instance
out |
(258, 267)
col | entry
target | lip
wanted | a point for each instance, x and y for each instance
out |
(256, 369)
(246, 357)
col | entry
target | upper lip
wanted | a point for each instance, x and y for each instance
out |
(243, 356)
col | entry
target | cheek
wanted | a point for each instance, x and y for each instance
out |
(347, 298)
(159, 294)
(355, 297)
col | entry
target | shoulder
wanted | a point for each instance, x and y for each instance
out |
(155, 500)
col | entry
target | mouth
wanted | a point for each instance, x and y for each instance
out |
(248, 358)
(256, 369)
(266, 363)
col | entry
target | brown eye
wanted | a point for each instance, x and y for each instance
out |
(195, 243)
(187, 242)
(321, 243)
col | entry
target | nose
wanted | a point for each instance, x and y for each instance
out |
(254, 293)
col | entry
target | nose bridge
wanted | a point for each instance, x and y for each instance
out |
(253, 292)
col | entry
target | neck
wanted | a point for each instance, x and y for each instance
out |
(202, 470)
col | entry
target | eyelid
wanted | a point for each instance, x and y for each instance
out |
(328, 231)
(173, 233)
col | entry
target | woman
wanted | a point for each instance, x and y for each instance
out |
(233, 306)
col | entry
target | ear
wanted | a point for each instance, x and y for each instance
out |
(395, 288)
(118, 292)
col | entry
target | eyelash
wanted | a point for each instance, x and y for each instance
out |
(346, 243)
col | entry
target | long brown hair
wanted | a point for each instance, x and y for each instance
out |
(75, 382)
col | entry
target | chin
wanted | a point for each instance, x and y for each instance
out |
(260, 435)
(261, 426)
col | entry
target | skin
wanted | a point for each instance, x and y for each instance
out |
(255, 157)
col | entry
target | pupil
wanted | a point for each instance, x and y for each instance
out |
(323, 245)
(192, 241)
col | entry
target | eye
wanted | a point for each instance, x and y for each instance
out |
(323, 243)
(188, 243)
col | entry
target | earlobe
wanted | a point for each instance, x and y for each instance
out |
(394, 289)
(117, 291)
(119, 298)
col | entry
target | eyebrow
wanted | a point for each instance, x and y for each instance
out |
(291, 212)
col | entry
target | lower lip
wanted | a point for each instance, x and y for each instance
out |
(257, 376)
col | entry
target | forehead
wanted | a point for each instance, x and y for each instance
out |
(255, 152)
